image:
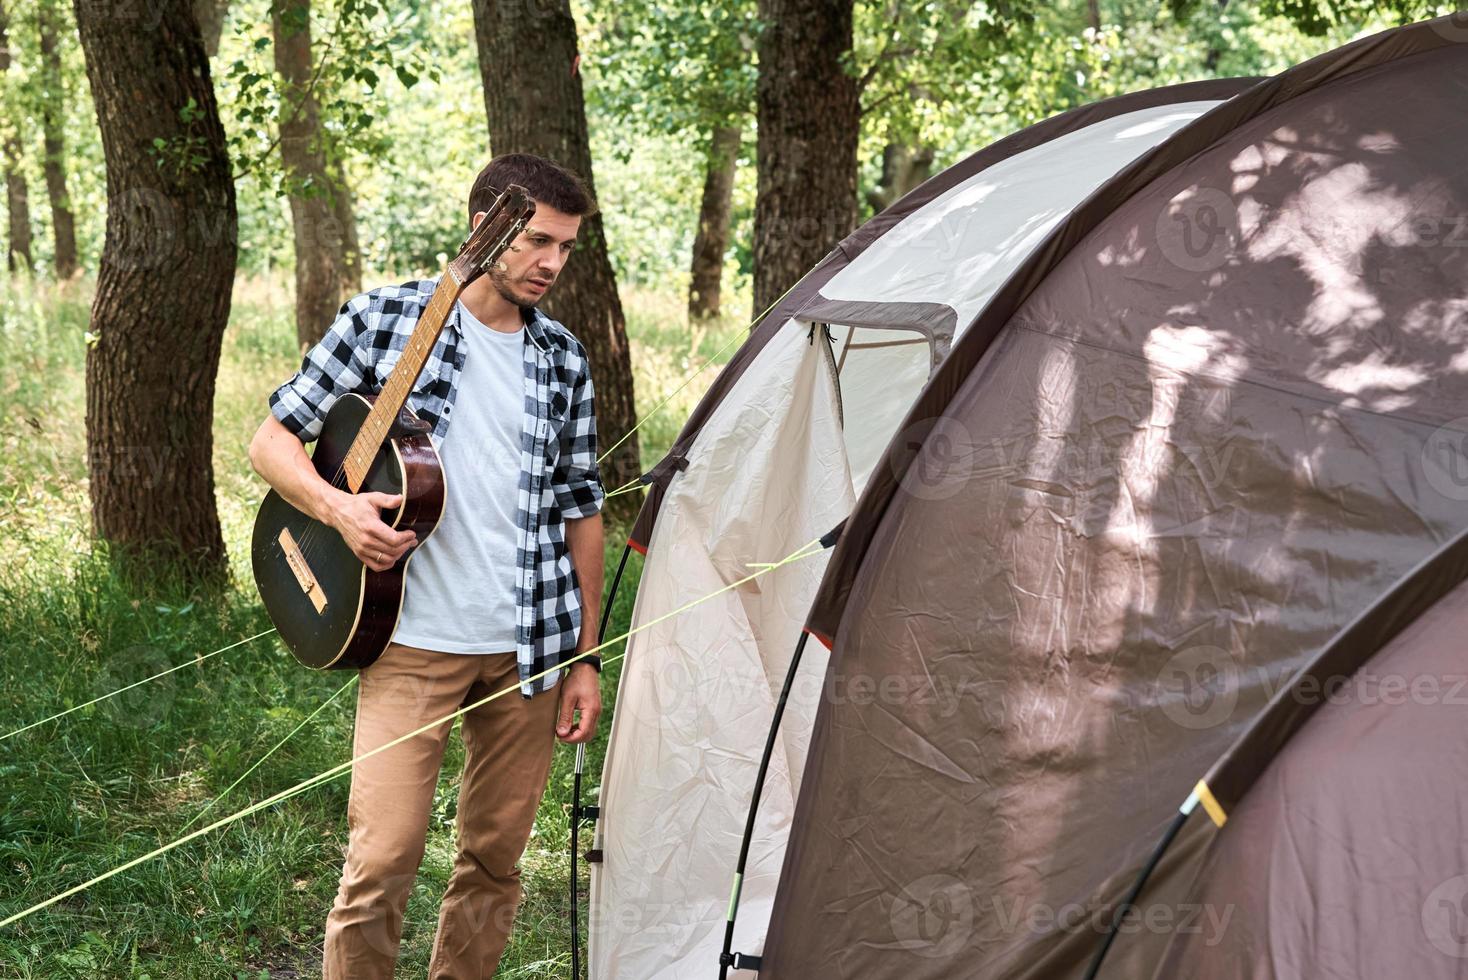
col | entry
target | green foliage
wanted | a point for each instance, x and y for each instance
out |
(672, 69)
(400, 91)
(1322, 18)
(23, 92)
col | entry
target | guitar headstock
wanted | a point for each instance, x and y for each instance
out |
(505, 219)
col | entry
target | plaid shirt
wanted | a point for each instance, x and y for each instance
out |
(558, 470)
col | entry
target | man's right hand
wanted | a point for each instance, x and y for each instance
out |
(357, 517)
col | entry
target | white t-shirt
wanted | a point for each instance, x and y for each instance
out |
(459, 588)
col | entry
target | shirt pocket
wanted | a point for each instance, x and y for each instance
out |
(557, 412)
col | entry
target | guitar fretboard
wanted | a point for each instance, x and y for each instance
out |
(399, 385)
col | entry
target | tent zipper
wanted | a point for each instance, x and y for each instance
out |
(831, 367)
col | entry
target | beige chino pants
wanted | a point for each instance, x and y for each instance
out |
(508, 747)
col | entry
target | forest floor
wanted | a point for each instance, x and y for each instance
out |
(88, 792)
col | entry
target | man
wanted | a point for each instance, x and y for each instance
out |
(501, 591)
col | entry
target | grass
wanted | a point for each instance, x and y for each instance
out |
(90, 791)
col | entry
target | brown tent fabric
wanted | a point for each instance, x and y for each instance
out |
(807, 292)
(1175, 456)
(1445, 34)
(1232, 776)
(1347, 857)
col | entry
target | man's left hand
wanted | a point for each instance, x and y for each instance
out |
(580, 694)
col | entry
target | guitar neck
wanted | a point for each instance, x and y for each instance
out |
(399, 385)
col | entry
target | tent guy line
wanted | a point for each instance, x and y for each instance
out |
(273, 749)
(628, 488)
(812, 547)
(164, 673)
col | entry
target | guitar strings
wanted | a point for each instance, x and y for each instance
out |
(312, 530)
(323, 777)
(503, 243)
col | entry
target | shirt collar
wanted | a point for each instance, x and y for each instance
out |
(535, 322)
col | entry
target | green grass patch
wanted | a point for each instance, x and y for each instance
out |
(104, 784)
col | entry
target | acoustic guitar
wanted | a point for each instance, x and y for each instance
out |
(331, 610)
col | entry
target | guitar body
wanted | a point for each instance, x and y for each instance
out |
(331, 610)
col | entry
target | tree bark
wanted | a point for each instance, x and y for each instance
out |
(1210, 61)
(809, 120)
(532, 95)
(163, 286)
(903, 168)
(53, 103)
(344, 203)
(17, 196)
(314, 223)
(211, 14)
(712, 239)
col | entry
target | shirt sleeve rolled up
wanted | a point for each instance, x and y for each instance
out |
(576, 480)
(333, 367)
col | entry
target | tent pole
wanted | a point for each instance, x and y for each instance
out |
(576, 809)
(1136, 889)
(726, 958)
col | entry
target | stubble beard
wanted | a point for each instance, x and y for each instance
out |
(501, 282)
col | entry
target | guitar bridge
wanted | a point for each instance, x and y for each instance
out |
(301, 570)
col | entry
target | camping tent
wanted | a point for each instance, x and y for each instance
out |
(1152, 426)
(773, 456)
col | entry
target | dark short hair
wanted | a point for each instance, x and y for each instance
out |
(548, 183)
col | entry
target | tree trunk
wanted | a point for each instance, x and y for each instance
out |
(1210, 61)
(1093, 14)
(314, 222)
(709, 244)
(809, 120)
(903, 168)
(17, 196)
(211, 14)
(537, 40)
(53, 102)
(163, 286)
(344, 204)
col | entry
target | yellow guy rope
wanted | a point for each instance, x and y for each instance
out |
(320, 778)
(273, 749)
(634, 485)
(164, 673)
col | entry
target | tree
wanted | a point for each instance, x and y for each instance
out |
(211, 14)
(344, 204)
(903, 168)
(705, 283)
(529, 63)
(52, 96)
(809, 124)
(17, 196)
(163, 286)
(316, 202)
(686, 70)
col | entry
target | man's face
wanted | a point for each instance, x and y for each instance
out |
(536, 256)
